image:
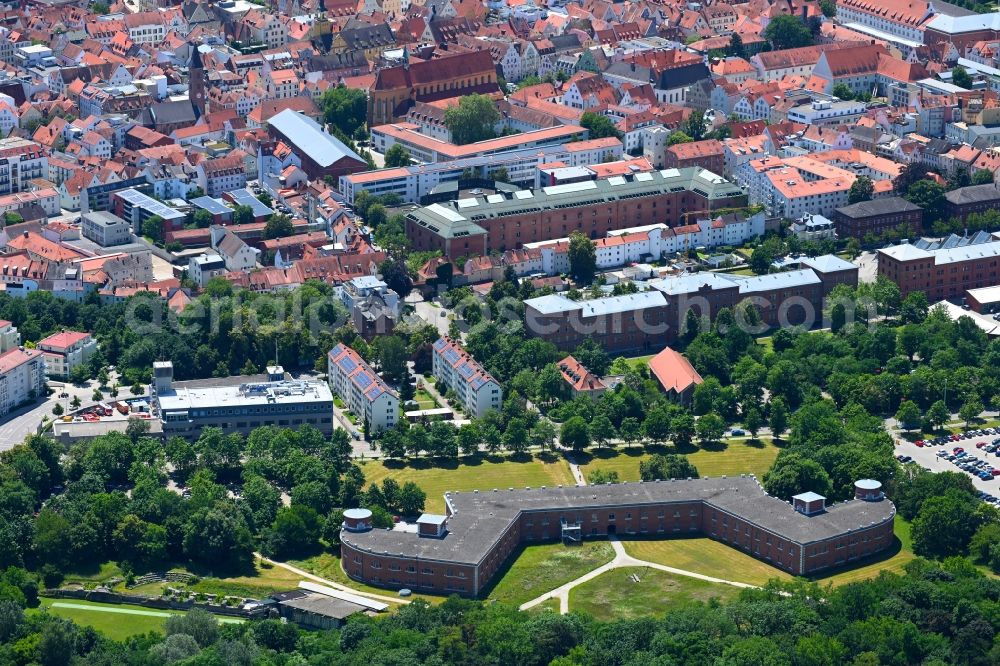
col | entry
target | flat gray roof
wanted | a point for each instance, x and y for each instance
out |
(479, 520)
(255, 394)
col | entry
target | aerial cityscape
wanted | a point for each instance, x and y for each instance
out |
(500, 333)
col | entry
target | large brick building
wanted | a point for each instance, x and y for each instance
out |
(462, 552)
(508, 220)
(320, 153)
(964, 201)
(648, 320)
(396, 89)
(943, 273)
(877, 217)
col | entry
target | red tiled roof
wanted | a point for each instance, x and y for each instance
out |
(674, 372)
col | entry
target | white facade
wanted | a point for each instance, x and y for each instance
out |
(362, 390)
(476, 389)
(66, 351)
(22, 377)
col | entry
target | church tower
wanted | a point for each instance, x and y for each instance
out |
(196, 82)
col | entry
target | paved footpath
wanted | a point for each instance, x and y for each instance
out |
(622, 560)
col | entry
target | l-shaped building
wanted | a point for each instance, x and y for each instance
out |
(461, 552)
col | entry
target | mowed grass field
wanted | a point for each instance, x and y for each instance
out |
(616, 596)
(540, 568)
(476, 473)
(731, 458)
(116, 621)
(705, 556)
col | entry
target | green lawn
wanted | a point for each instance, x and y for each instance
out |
(737, 456)
(478, 473)
(894, 561)
(425, 399)
(263, 582)
(91, 576)
(548, 605)
(327, 565)
(615, 596)
(705, 556)
(640, 361)
(116, 621)
(543, 567)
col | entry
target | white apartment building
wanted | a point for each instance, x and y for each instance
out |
(827, 112)
(626, 246)
(204, 267)
(65, 351)
(22, 377)
(21, 160)
(10, 337)
(476, 389)
(362, 390)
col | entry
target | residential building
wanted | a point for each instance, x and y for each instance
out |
(66, 351)
(204, 267)
(237, 255)
(22, 378)
(876, 217)
(9, 336)
(477, 390)
(135, 207)
(239, 404)
(708, 154)
(813, 227)
(21, 161)
(580, 380)
(365, 394)
(222, 174)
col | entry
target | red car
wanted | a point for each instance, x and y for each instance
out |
(957, 449)
(980, 445)
(955, 438)
(919, 442)
(995, 472)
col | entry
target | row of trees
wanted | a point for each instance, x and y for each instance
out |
(933, 613)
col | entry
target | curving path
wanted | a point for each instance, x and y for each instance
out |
(622, 560)
(330, 583)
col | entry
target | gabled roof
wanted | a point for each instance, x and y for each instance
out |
(674, 371)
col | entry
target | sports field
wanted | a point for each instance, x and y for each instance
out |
(475, 473)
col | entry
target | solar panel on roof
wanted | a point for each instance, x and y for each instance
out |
(440, 344)
(451, 355)
(476, 383)
(466, 370)
(363, 379)
(347, 364)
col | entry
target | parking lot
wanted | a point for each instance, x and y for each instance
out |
(978, 458)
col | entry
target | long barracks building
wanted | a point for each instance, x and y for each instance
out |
(461, 552)
(479, 225)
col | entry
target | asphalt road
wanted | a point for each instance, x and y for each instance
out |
(17, 425)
